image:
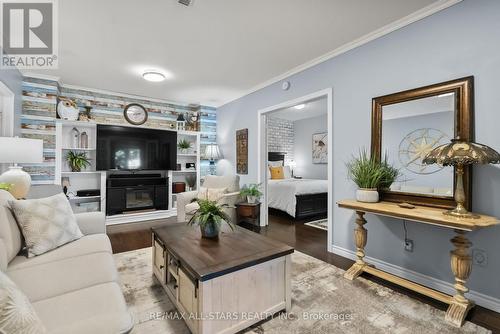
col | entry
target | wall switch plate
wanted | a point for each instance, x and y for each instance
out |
(408, 245)
(479, 257)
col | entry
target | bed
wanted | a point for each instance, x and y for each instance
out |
(300, 198)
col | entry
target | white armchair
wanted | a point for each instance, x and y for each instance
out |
(185, 201)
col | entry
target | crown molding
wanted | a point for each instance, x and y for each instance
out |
(41, 76)
(387, 29)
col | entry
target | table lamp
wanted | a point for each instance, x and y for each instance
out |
(460, 153)
(16, 150)
(212, 153)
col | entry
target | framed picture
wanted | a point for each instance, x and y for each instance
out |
(320, 148)
(242, 151)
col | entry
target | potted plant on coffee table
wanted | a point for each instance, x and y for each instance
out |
(77, 161)
(370, 175)
(210, 216)
(252, 192)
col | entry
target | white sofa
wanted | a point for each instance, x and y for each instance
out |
(74, 288)
(186, 206)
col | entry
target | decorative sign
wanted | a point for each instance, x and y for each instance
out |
(320, 148)
(242, 151)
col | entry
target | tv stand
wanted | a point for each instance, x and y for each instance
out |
(134, 192)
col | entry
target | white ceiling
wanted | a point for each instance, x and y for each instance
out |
(214, 50)
(311, 109)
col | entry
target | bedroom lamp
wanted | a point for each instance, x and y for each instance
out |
(212, 153)
(460, 153)
(14, 150)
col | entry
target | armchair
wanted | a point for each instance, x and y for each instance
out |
(186, 206)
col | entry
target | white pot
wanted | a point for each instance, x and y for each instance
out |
(367, 195)
(252, 199)
(19, 180)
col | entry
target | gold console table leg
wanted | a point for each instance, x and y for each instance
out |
(461, 265)
(360, 238)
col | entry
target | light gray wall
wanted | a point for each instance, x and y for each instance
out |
(304, 129)
(13, 79)
(457, 42)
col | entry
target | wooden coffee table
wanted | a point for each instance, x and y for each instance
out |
(224, 285)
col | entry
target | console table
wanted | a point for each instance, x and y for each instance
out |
(224, 285)
(461, 261)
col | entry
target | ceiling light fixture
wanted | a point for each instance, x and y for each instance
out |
(153, 76)
(300, 106)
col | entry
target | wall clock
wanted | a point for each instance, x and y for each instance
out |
(415, 146)
(135, 114)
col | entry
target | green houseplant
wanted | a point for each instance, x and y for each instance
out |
(77, 161)
(370, 175)
(5, 186)
(210, 216)
(252, 192)
(184, 145)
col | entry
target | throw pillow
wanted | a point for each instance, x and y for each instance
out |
(287, 172)
(276, 173)
(46, 223)
(212, 194)
(17, 315)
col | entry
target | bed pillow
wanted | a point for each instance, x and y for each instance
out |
(17, 315)
(212, 194)
(277, 173)
(46, 223)
(287, 172)
(275, 163)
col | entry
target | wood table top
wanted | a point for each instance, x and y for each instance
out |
(207, 258)
(423, 214)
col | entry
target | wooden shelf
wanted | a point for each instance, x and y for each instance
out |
(81, 172)
(77, 149)
(184, 171)
(77, 123)
(186, 154)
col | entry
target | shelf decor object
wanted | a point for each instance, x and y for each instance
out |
(460, 153)
(77, 161)
(212, 153)
(19, 150)
(135, 114)
(181, 123)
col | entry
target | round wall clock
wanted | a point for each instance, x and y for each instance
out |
(415, 146)
(135, 114)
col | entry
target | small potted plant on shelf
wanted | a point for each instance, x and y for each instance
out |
(210, 216)
(370, 175)
(184, 145)
(252, 192)
(77, 161)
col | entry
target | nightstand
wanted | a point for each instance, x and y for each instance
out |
(248, 215)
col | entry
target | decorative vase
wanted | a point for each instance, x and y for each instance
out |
(209, 230)
(367, 195)
(252, 199)
(67, 110)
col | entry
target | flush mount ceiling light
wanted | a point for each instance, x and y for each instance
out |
(300, 106)
(153, 76)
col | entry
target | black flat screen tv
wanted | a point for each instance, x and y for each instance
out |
(128, 148)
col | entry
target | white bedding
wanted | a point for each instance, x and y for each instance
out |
(281, 193)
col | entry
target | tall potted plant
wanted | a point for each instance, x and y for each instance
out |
(210, 216)
(370, 175)
(252, 192)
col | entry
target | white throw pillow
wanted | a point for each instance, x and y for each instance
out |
(212, 194)
(275, 163)
(17, 315)
(46, 223)
(287, 172)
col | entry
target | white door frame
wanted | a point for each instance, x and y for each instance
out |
(7, 106)
(262, 152)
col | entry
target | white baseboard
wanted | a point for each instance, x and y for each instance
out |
(431, 282)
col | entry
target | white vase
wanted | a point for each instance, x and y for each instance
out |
(367, 195)
(252, 199)
(19, 180)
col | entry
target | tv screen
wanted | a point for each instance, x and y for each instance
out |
(127, 148)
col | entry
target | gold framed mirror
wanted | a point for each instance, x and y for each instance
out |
(408, 124)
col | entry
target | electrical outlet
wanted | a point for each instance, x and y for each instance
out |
(408, 245)
(479, 257)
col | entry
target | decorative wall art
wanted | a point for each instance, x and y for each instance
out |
(320, 148)
(242, 151)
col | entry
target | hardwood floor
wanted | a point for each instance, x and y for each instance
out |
(309, 240)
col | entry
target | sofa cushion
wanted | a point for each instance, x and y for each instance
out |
(88, 244)
(17, 315)
(212, 194)
(46, 223)
(231, 182)
(97, 309)
(9, 231)
(55, 278)
(3, 256)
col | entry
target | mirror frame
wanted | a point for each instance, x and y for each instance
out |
(464, 106)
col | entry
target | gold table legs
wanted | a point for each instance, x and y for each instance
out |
(461, 265)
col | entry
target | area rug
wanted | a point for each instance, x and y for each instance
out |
(322, 224)
(322, 302)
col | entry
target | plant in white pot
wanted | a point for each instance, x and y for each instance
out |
(252, 192)
(370, 175)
